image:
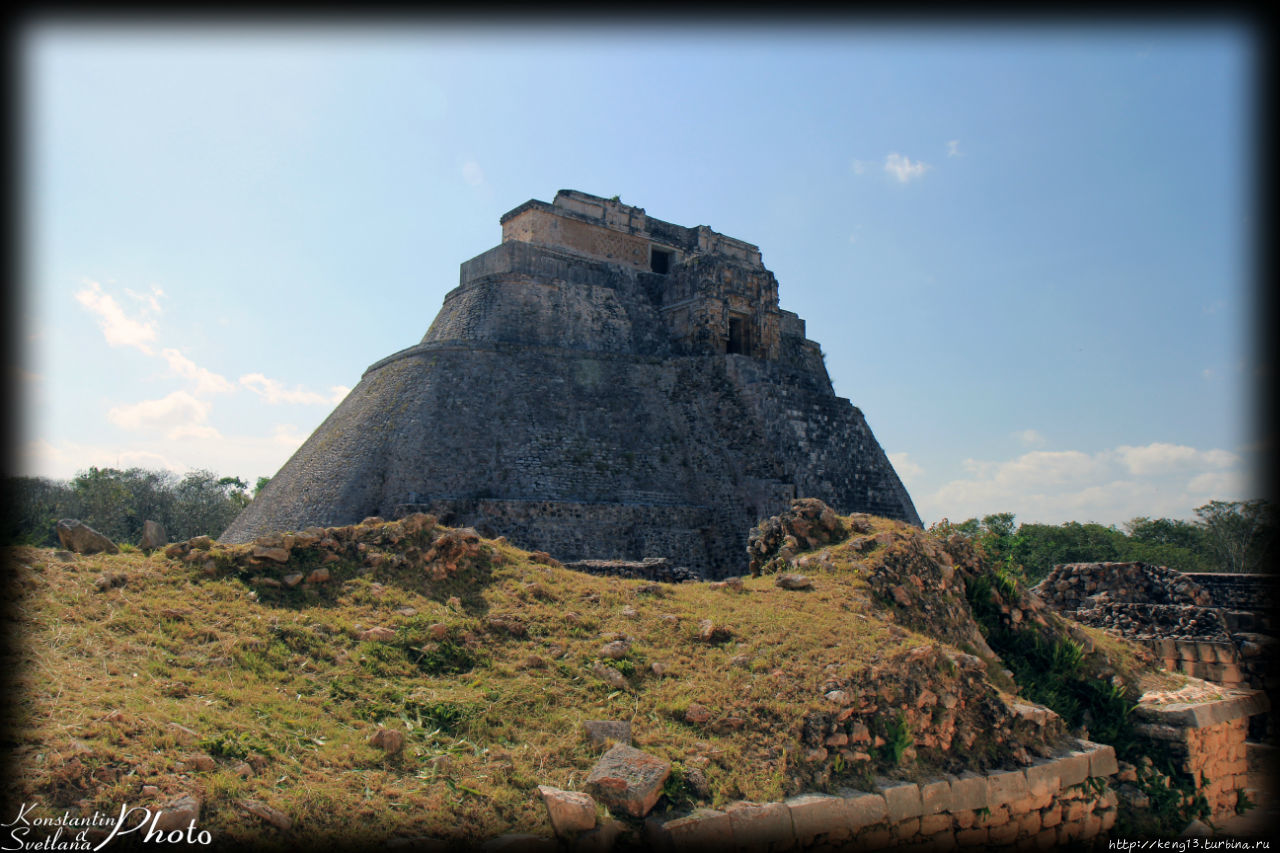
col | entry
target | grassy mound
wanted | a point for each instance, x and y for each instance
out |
(259, 673)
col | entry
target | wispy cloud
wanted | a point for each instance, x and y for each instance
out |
(1029, 437)
(472, 173)
(953, 148)
(179, 414)
(907, 469)
(119, 328)
(903, 168)
(274, 392)
(1159, 479)
(206, 381)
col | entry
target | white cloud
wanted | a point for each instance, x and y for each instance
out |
(207, 382)
(288, 435)
(274, 392)
(175, 412)
(1161, 457)
(1108, 486)
(953, 148)
(118, 328)
(472, 173)
(903, 169)
(1029, 437)
(860, 167)
(907, 470)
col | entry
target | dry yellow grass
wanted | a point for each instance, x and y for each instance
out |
(119, 689)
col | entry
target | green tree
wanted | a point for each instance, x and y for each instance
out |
(1239, 533)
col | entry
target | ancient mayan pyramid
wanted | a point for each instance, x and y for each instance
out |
(604, 385)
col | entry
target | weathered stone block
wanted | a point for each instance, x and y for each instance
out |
(969, 790)
(1102, 760)
(902, 800)
(814, 815)
(1073, 768)
(704, 829)
(761, 826)
(629, 780)
(569, 811)
(1043, 777)
(865, 809)
(1005, 787)
(935, 797)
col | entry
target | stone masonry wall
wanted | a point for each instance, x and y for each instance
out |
(1052, 803)
(1208, 741)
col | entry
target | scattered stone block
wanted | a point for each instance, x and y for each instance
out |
(570, 812)
(602, 732)
(153, 536)
(179, 814)
(276, 818)
(390, 741)
(628, 780)
(79, 537)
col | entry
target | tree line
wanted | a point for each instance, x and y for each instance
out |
(1225, 536)
(117, 502)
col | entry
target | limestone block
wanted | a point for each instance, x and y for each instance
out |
(976, 837)
(1051, 816)
(629, 780)
(873, 839)
(1005, 787)
(1102, 760)
(865, 809)
(704, 829)
(902, 800)
(969, 790)
(995, 816)
(761, 826)
(569, 811)
(935, 797)
(1046, 839)
(1029, 824)
(1004, 834)
(1043, 778)
(933, 824)
(908, 828)
(601, 732)
(813, 815)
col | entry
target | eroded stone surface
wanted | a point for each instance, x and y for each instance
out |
(629, 780)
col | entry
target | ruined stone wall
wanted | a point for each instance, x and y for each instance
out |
(1211, 626)
(1208, 741)
(556, 230)
(1047, 805)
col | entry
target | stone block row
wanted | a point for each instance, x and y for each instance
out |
(1045, 802)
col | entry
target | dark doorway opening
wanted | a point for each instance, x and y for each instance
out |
(660, 261)
(739, 336)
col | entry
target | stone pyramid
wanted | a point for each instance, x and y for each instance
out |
(601, 385)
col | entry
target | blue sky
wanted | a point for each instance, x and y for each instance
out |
(1026, 251)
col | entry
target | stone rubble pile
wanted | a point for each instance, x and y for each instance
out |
(289, 560)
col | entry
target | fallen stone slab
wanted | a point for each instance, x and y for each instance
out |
(77, 536)
(570, 812)
(629, 780)
(602, 732)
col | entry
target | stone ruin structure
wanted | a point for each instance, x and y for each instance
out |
(602, 385)
(1218, 627)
